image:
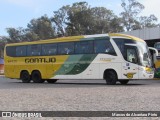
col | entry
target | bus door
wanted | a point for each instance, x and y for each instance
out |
(130, 68)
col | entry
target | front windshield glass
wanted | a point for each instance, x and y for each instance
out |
(157, 45)
(145, 56)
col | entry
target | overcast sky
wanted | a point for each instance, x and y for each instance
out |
(18, 13)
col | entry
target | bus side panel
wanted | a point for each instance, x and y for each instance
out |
(107, 61)
(74, 66)
(93, 70)
(112, 66)
(9, 71)
(9, 67)
(53, 68)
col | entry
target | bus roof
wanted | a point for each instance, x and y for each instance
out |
(77, 38)
(125, 36)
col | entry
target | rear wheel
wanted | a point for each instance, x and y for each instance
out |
(25, 77)
(111, 77)
(124, 82)
(36, 77)
(52, 80)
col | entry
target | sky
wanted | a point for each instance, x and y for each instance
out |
(18, 13)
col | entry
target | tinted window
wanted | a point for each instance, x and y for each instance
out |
(157, 45)
(85, 47)
(103, 46)
(121, 45)
(49, 49)
(34, 50)
(21, 51)
(65, 48)
(11, 51)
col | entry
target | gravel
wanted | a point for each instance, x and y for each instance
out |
(79, 96)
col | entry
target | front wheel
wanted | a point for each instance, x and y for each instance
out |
(111, 78)
(124, 82)
(36, 77)
(25, 77)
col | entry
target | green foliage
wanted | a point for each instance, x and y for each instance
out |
(82, 19)
(15, 35)
(132, 9)
(79, 19)
(2, 44)
(59, 19)
(130, 16)
(148, 21)
(85, 20)
(40, 28)
(105, 21)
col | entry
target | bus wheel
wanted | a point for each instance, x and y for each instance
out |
(25, 77)
(124, 82)
(111, 77)
(52, 80)
(36, 77)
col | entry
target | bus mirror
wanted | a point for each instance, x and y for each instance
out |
(154, 49)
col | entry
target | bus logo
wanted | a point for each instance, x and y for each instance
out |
(40, 60)
(129, 75)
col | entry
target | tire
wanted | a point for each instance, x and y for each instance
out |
(25, 77)
(36, 77)
(124, 82)
(111, 78)
(52, 80)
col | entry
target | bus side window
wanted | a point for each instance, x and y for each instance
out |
(99, 46)
(49, 49)
(66, 48)
(34, 50)
(21, 51)
(85, 47)
(103, 46)
(11, 51)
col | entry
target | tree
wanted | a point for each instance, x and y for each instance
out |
(15, 35)
(115, 25)
(2, 44)
(148, 21)
(40, 28)
(132, 9)
(85, 20)
(79, 19)
(105, 21)
(59, 19)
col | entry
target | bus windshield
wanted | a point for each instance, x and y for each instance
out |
(144, 53)
(143, 58)
(157, 45)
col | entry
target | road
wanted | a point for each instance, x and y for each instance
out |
(79, 95)
(6, 83)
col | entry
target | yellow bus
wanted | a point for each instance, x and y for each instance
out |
(113, 57)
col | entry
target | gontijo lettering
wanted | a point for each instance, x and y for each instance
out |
(40, 60)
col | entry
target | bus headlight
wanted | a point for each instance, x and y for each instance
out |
(149, 70)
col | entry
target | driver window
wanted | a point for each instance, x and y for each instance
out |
(132, 55)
